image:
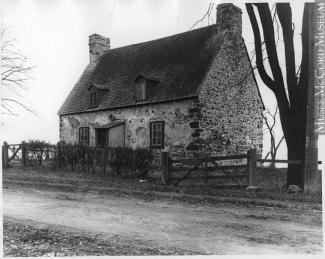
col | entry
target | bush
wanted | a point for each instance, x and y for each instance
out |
(142, 161)
(136, 162)
(120, 158)
(77, 157)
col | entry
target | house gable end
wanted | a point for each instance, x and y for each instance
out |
(230, 105)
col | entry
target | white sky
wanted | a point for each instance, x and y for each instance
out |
(54, 35)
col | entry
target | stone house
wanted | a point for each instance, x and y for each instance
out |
(191, 91)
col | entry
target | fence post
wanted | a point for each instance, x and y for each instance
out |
(23, 152)
(59, 155)
(251, 163)
(164, 167)
(104, 160)
(5, 155)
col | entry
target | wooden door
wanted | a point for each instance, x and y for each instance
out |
(116, 136)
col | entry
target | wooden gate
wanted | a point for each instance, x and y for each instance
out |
(11, 152)
(207, 168)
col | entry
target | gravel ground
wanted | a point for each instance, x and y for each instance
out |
(59, 214)
(27, 240)
(159, 226)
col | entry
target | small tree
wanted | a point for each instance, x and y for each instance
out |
(15, 75)
(270, 122)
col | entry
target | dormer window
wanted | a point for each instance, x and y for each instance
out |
(143, 84)
(96, 93)
(141, 89)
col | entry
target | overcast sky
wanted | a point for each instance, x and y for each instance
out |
(54, 35)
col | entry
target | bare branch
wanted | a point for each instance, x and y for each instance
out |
(267, 155)
(15, 74)
(19, 103)
(10, 112)
(270, 128)
(276, 148)
(206, 15)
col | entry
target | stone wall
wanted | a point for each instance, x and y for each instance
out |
(230, 108)
(137, 124)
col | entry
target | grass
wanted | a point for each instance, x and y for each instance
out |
(43, 178)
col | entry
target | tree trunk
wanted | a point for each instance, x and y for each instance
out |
(291, 98)
(296, 144)
(295, 173)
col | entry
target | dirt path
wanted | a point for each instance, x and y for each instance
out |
(204, 229)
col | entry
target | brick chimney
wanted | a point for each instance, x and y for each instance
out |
(97, 46)
(229, 17)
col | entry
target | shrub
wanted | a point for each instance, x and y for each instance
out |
(77, 157)
(128, 160)
(80, 158)
(142, 161)
(120, 158)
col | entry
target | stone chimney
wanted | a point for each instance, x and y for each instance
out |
(97, 46)
(229, 17)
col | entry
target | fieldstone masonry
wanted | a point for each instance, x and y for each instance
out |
(97, 46)
(230, 106)
(137, 121)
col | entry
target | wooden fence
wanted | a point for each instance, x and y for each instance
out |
(103, 160)
(26, 155)
(10, 153)
(174, 171)
(240, 169)
(59, 154)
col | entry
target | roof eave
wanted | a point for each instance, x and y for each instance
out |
(128, 105)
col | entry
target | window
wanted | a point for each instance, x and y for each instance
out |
(93, 98)
(157, 129)
(141, 89)
(84, 136)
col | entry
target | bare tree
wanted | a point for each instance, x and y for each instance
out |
(291, 95)
(270, 122)
(15, 75)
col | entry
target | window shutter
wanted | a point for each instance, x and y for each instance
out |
(138, 92)
(141, 91)
(93, 98)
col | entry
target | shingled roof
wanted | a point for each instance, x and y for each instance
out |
(179, 62)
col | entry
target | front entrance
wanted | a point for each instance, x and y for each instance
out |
(110, 136)
(102, 137)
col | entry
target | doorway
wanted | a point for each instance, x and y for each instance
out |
(111, 136)
(102, 137)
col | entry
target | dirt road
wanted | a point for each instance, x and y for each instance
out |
(205, 229)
